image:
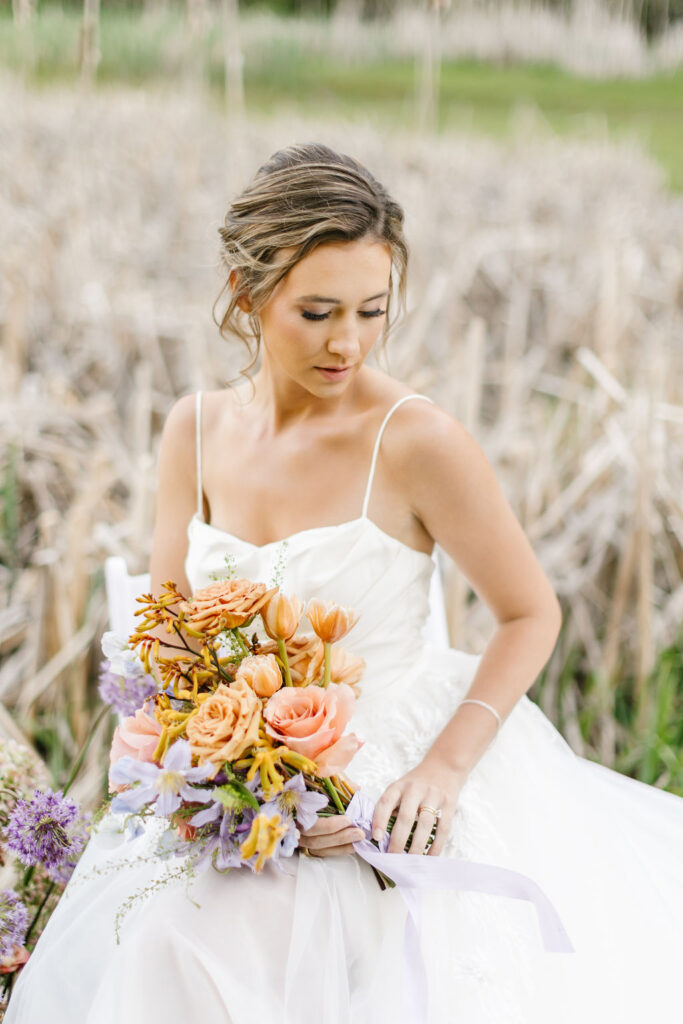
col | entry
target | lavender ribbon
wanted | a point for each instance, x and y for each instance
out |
(412, 873)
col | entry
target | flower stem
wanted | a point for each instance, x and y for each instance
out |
(79, 760)
(327, 648)
(334, 794)
(282, 651)
(38, 912)
(240, 639)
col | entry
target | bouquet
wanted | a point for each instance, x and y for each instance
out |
(244, 738)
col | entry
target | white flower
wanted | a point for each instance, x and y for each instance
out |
(123, 661)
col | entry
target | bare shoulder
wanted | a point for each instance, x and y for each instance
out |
(418, 429)
(437, 461)
(453, 491)
(222, 410)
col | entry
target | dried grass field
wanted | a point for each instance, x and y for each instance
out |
(545, 312)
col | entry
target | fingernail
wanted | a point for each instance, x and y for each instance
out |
(377, 833)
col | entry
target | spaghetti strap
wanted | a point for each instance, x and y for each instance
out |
(198, 452)
(405, 398)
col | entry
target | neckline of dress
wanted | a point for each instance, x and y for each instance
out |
(312, 529)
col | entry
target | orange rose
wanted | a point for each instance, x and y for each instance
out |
(311, 720)
(330, 621)
(138, 736)
(225, 604)
(281, 616)
(262, 673)
(226, 723)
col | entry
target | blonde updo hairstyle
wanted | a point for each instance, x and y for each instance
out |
(303, 196)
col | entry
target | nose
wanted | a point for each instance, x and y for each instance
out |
(345, 341)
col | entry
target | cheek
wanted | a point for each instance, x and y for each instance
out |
(371, 331)
(289, 336)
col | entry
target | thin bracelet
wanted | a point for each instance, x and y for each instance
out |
(472, 700)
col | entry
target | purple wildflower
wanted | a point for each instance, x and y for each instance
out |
(219, 842)
(124, 693)
(295, 799)
(46, 829)
(167, 786)
(13, 922)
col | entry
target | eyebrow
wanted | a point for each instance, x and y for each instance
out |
(337, 302)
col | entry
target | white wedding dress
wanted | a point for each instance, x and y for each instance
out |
(319, 942)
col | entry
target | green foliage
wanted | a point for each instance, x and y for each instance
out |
(647, 722)
(656, 754)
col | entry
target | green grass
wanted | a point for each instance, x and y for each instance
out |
(476, 97)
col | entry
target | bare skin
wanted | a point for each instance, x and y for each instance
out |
(302, 435)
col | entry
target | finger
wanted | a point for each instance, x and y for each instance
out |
(325, 825)
(423, 829)
(334, 851)
(427, 821)
(443, 829)
(383, 810)
(351, 834)
(404, 822)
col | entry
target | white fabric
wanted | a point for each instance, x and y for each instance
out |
(321, 943)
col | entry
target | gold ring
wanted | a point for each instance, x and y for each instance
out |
(436, 811)
(306, 852)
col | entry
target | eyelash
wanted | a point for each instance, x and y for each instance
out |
(323, 316)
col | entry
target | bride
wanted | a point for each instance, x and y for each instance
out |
(345, 478)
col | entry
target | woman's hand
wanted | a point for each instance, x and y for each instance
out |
(331, 836)
(431, 782)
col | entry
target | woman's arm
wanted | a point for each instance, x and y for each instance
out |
(455, 494)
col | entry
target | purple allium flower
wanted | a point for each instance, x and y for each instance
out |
(124, 693)
(80, 833)
(13, 922)
(47, 830)
(168, 786)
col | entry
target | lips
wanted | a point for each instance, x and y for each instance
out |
(334, 373)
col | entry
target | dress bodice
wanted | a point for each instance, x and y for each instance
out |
(354, 563)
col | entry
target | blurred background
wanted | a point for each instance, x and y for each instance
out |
(537, 149)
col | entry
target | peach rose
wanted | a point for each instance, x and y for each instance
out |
(329, 620)
(281, 616)
(310, 721)
(226, 723)
(138, 736)
(225, 604)
(262, 673)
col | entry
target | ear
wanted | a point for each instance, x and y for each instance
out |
(243, 300)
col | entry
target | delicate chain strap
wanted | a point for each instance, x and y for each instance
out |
(472, 700)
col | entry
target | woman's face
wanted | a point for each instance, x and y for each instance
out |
(327, 312)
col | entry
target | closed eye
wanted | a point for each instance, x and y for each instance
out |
(323, 316)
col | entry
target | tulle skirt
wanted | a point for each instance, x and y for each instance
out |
(319, 942)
